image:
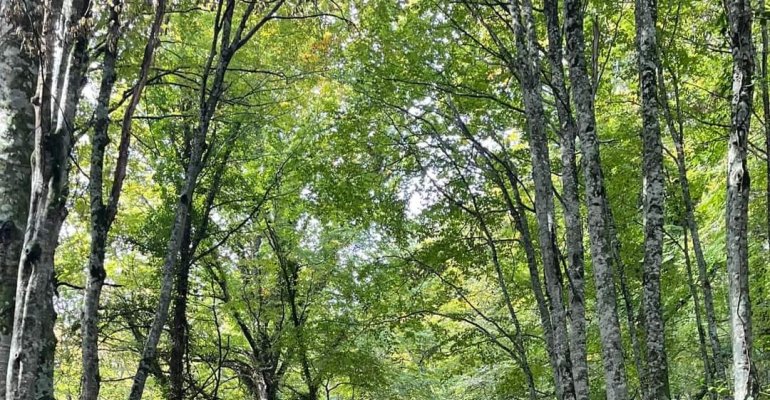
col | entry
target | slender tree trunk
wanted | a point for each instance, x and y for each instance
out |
(99, 223)
(517, 212)
(62, 53)
(571, 201)
(765, 106)
(102, 216)
(702, 348)
(181, 214)
(625, 294)
(676, 129)
(179, 335)
(17, 124)
(582, 95)
(528, 68)
(228, 39)
(654, 199)
(744, 375)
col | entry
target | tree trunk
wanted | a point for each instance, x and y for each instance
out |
(625, 294)
(224, 46)
(102, 216)
(657, 385)
(582, 95)
(765, 106)
(572, 218)
(179, 335)
(181, 214)
(707, 367)
(64, 59)
(528, 69)
(676, 129)
(744, 375)
(90, 381)
(17, 124)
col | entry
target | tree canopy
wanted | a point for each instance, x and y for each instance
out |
(384, 199)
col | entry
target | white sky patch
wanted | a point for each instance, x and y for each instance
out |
(307, 194)
(490, 144)
(420, 193)
(310, 228)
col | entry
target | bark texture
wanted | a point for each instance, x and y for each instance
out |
(103, 215)
(582, 96)
(17, 124)
(528, 73)
(572, 218)
(657, 386)
(96, 274)
(745, 383)
(63, 59)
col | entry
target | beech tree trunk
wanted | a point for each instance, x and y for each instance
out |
(582, 95)
(745, 383)
(676, 129)
(765, 105)
(572, 218)
(96, 274)
(702, 348)
(103, 215)
(625, 293)
(62, 58)
(228, 39)
(179, 334)
(17, 124)
(657, 386)
(528, 73)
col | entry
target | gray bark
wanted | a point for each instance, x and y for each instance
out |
(103, 215)
(17, 123)
(572, 218)
(745, 383)
(582, 95)
(657, 385)
(96, 274)
(30, 374)
(528, 72)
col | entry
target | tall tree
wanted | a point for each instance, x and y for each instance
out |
(17, 123)
(765, 103)
(739, 16)
(583, 98)
(61, 46)
(653, 198)
(572, 219)
(675, 123)
(528, 68)
(103, 215)
(230, 35)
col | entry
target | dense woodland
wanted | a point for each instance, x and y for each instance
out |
(384, 199)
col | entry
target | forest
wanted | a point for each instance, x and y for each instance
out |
(384, 199)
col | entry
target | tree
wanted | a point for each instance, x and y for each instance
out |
(16, 128)
(654, 197)
(596, 203)
(739, 15)
(61, 51)
(103, 215)
(231, 42)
